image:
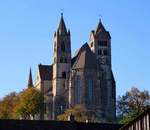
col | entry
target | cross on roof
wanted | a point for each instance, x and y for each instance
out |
(62, 10)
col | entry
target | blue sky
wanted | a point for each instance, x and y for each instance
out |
(27, 28)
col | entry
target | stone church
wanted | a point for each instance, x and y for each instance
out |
(85, 78)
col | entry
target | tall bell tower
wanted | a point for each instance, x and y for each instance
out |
(100, 44)
(61, 66)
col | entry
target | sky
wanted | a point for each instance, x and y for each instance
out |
(27, 28)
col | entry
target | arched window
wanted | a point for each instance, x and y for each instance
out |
(78, 90)
(99, 52)
(105, 52)
(61, 60)
(91, 44)
(64, 75)
(63, 48)
(90, 90)
(65, 60)
(45, 108)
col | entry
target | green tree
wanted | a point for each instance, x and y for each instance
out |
(7, 105)
(80, 113)
(131, 104)
(30, 103)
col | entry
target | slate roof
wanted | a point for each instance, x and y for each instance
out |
(100, 27)
(100, 30)
(85, 59)
(62, 27)
(46, 72)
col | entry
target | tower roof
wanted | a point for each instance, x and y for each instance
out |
(101, 31)
(85, 58)
(30, 82)
(100, 27)
(62, 27)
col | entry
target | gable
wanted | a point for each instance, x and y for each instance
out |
(45, 72)
(85, 59)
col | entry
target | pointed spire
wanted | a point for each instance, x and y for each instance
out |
(30, 82)
(100, 27)
(62, 27)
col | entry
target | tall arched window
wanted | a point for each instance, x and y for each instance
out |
(63, 48)
(61, 60)
(78, 90)
(90, 90)
(65, 60)
(64, 75)
(91, 44)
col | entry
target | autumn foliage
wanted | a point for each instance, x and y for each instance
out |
(23, 105)
(80, 113)
(131, 104)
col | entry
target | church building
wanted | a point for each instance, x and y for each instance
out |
(85, 78)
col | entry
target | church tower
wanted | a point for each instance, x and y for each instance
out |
(100, 44)
(61, 66)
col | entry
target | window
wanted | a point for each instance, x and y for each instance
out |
(61, 60)
(102, 43)
(105, 52)
(63, 48)
(90, 90)
(91, 44)
(65, 60)
(64, 75)
(45, 107)
(99, 52)
(78, 90)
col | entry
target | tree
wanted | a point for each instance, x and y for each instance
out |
(30, 103)
(7, 105)
(80, 113)
(133, 103)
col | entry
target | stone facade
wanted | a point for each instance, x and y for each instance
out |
(85, 78)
